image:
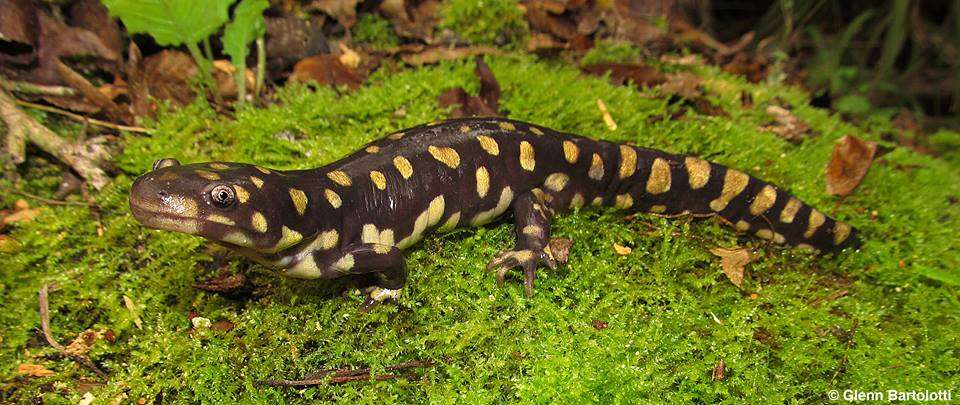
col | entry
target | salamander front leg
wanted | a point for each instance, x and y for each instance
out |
(384, 262)
(533, 234)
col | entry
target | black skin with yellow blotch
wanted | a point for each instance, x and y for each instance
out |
(356, 215)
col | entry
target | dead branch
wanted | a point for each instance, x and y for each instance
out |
(22, 126)
(80, 118)
(92, 93)
(45, 324)
(340, 376)
(40, 89)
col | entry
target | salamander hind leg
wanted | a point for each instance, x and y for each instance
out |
(533, 233)
(384, 262)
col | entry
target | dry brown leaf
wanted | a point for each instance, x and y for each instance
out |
(223, 71)
(56, 41)
(33, 370)
(622, 250)
(18, 27)
(166, 75)
(24, 215)
(848, 165)
(683, 84)
(20, 205)
(623, 73)
(786, 126)
(560, 249)
(344, 11)
(92, 15)
(545, 16)
(719, 370)
(81, 345)
(290, 39)
(326, 70)
(487, 103)
(441, 53)
(733, 261)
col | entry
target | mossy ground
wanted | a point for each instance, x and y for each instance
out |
(789, 334)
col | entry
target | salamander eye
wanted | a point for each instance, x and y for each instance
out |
(222, 196)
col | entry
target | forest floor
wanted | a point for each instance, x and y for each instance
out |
(661, 322)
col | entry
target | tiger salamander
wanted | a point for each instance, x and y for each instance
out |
(358, 214)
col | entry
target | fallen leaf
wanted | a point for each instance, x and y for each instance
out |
(289, 39)
(465, 105)
(441, 53)
(607, 118)
(82, 343)
(623, 73)
(560, 249)
(24, 215)
(786, 126)
(223, 72)
(33, 370)
(20, 205)
(92, 15)
(58, 41)
(349, 57)
(325, 70)
(18, 31)
(622, 250)
(684, 84)
(633, 20)
(412, 20)
(222, 325)
(224, 283)
(541, 43)
(733, 261)
(344, 11)
(599, 325)
(545, 16)
(166, 76)
(848, 165)
(719, 370)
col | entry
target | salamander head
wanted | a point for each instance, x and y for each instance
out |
(242, 206)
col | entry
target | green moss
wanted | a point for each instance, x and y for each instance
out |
(376, 31)
(493, 22)
(881, 318)
(611, 51)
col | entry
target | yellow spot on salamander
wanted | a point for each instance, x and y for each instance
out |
(577, 201)
(299, 200)
(840, 232)
(532, 230)
(169, 176)
(218, 166)
(220, 219)
(658, 209)
(483, 181)
(698, 172)
(506, 126)
(628, 161)
(765, 234)
(370, 234)
(489, 144)
(816, 219)
(242, 194)
(742, 226)
(659, 181)
(237, 238)
(623, 201)
(396, 136)
(372, 149)
(789, 211)
(378, 180)
(258, 222)
(257, 182)
(451, 223)
(556, 181)
(506, 197)
(382, 249)
(288, 237)
(328, 239)
(445, 155)
(429, 217)
(570, 151)
(597, 201)
(340, 178)
(207, 175)
(333, 198)
(403, 166)
(527, 157)
(262, 170)
(596, 168)
(764, 200)
(465, 128)
(536, 131)
(345, 264)
(733, 184)
(305, 268)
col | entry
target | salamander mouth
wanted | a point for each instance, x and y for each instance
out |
(166, 221)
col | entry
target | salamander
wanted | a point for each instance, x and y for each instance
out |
(358, 214)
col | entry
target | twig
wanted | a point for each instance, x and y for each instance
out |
(45, 324)
(340, 376)
(44, 200)
(92, 93)
(80, 118)
(21, 124)
(261, 66)
(32, 88)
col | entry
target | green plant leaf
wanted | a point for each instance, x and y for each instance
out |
(171, 22)
(853, 104)
(246, 26)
